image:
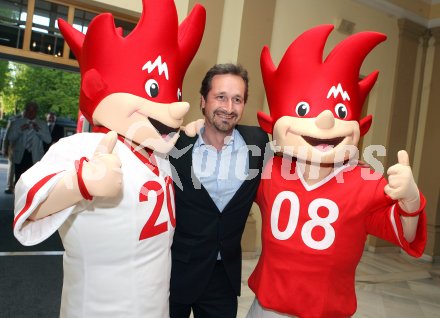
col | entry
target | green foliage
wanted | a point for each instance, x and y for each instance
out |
(6, 94)
(8, 14)
(4, 74)
(53, 90)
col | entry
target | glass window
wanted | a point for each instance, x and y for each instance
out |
(83, 18)
(12, 22)
(81, 22)
(46, 37)
(127, 27)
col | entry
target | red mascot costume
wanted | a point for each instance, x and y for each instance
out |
(108, 195)
(318, 205)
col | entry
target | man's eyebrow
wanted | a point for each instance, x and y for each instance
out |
(219, 92)
(225, 93)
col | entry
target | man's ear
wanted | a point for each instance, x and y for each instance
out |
(266, 122)
(202, 104)
(365, 124)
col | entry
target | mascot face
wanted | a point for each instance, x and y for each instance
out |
(149, 124)
(323, 139)
(133, 84)
(315, 105)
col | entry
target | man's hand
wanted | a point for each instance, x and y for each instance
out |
(102, 174)
(35, 126)
(401, 185)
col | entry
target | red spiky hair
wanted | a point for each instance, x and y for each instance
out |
(111, 63)
(303, 76)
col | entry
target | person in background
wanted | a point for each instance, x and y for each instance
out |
(56, 130)
(215, 184)
(27, 134)
(8, 149)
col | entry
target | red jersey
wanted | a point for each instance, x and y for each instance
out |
(313, 237)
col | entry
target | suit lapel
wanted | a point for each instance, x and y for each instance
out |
(253, 159)
(187, 164)
(182, 156)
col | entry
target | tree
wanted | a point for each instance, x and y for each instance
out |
(4, 74)
(7, 101)
(52, 89)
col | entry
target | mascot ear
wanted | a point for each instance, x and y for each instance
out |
(265, 121)
(93, 84)
(365, 124)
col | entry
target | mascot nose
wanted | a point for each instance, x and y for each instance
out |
(325, 120)
(178, 110)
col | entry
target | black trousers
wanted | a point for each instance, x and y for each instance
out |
(25, 164)
(217, 301)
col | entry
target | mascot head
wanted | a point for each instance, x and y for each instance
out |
(315, 105)
(133, 84)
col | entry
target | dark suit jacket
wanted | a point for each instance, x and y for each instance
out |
(57, 133)
(202, 230)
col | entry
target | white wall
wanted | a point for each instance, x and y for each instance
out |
(131, 5)
(230, 32)
(136, 5)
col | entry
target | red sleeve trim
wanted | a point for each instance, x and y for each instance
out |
(415, 213)
(416, 247)
(31, 195)
(81, 185)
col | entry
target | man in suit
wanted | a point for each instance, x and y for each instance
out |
(27, 134)
(56, 130)
(216, 180)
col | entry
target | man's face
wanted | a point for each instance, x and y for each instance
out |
(30, 113)
(224, 104)
(51, 118)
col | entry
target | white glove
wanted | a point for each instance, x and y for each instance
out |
(193, 128)
(401, 185)
(102, 174)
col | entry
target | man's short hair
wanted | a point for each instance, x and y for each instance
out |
(31, 105)
(223, 69)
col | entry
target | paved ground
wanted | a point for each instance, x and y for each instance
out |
(30, 277)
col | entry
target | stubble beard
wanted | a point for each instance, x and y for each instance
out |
(221, 124)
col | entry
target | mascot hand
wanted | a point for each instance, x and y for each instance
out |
(102, 174)
(194, 127)
(401, 185)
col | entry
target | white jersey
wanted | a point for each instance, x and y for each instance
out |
(117, 251)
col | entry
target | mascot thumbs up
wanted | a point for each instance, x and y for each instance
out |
(111, 196)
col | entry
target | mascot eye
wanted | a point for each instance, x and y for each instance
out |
(341, 110)
(152, 88)
(179, 95)
(302, 109)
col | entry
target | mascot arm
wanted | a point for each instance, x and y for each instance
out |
(193, 128)
(402, 187)
(39, 187)
(101, 176)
